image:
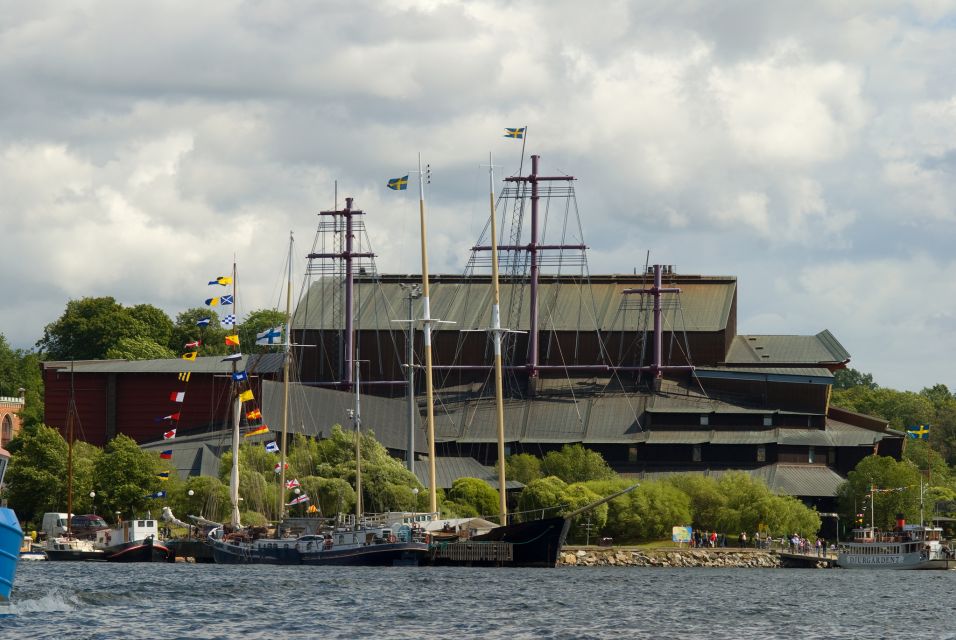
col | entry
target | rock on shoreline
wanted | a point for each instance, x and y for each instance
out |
(622, 557)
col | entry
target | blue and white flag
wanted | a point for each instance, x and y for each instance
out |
(202, 322)
(225, 300)
(239, 376)
(272, 447)
(158, 494)
(270, 336)
(228, 320)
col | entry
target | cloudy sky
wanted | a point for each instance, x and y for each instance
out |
(809, 148)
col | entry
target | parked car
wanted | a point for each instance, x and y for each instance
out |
(88, 524)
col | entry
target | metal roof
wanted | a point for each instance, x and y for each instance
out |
(270, 363)
(449, 469)
(565, 303)
(195, 454)
(790, 375)
(816, 481)
(822, 348)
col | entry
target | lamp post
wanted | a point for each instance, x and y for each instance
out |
(93, 500)
(190, 493)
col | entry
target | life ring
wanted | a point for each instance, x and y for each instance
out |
(392, 538)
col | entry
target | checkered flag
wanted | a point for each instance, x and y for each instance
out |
(229, 320)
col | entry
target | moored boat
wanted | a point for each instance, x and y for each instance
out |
(908, 546)
(134, 540)
(11, 536)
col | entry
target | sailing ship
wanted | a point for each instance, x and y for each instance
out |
(349, 540)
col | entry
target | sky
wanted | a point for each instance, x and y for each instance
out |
(807, 148)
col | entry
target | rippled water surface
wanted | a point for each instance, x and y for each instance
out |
(169, 601)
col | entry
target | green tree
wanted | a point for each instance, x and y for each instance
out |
(155, 324)
(896, 487)
(523, 468)
(706, 499)
(35, 481)
(138, 349)
(575, 463)
(124, 475)
(185, 330)
(575, 496)
(847, 378)
(87, 329)
(542, 497)
(475, 493)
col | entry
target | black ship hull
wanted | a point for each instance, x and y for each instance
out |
(74, 555)
(137, 551)
(244, 553)
(523, 544)
(376, 555)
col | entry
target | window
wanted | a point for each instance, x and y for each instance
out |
(7, 433)
(768, 421)
(761, 453)
(696, 453)
(632, 454)
(811, 455)
(704, 421)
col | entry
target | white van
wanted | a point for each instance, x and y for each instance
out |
(54, 524)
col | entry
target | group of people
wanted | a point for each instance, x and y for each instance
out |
(702, 539)
(799, 544)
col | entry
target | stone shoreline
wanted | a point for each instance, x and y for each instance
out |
(623, 557)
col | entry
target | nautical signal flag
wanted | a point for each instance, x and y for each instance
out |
(157, 494)
(223, 280)
(292, 484)
(232, 341)
(184, 376)
(255, 414)
(173, 417)
(239, 376)
(246, 395)
(514, 133)
(177, 396)
(299, 500)
(203, 322)
(169, 435)
(232, 357)
(272, 447)
(229, 320)
(164, 475)
(398, 184)
(166, 455)
(225, 300)
(258, 431)
(919, 433)
(191, 356)
(269, 336)
(192, 345)
(278, 467)
(212, 302)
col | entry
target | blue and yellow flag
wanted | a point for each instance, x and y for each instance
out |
(163, 476)
(221, 280)
(514, 133)
(398, 184)
(919, 433)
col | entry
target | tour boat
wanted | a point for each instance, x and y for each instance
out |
(908, 546)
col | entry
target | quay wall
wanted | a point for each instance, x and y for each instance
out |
(624, 557)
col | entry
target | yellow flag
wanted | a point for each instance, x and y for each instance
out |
(190, 356)
(245, 396)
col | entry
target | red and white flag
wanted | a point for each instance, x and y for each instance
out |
(278, 467)
(299, 500)
(177, 396)
(192, 345)
(169, 435)
(292, 484)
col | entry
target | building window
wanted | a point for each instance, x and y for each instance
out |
(768, 421)
(811, 455)
(632, 454)
(696, 453)
(704, 421)
(761, 453)
(6, 435)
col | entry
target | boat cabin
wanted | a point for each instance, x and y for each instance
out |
(128, 531)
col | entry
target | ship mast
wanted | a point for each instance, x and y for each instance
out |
(357, 421)
(496, 337)
(234, 519)
(427, 347)
(69, 458)
(285, 385)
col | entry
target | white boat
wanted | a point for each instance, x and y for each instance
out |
(908, 546)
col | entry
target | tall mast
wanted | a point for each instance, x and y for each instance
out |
(496, 336)
(234, 519)
(285, 384)
(427, 348)
(69, 458)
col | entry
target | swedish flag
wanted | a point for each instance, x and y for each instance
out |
(514, 133)
(919, 433)
(398, 184)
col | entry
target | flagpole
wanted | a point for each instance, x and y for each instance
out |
(234, 472)
(497, 331)
(427, 348)
(285, 386)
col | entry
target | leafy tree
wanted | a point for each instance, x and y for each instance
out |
(35, 481)
(21, 370)
(210, 499)
(138, 349)
(847, 378)
(574, 463)
(333, 495)
(544, 496)
(922, 454)
(87, 329)
(897, 485)
(124, 475)
(523, 468)
(9, 369)
(706, 499)
(475, 493)
(185, 330)
(578, 495)
(154, 323)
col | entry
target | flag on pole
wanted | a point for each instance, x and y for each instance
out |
(232, 341)
(191, 356)
(278, 467)
(239, 376)
(166, 455)
(184, 376)
(517, 132)
(255, 414)
(246, 395)
(169, 435)
(919, 433)
(225, 300)
(232, 357)
(163, 475)
(229, 320)
(269, 336)
(299, 500)
(203, 322)
(158, 494)
(292, 484)
(212, 302)
(192, 345)
(272, 447)
(257, 431)
(177, 396)
(221, 280)
(172, 417)
(398, 184)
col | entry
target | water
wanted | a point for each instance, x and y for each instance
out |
(92, 601)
